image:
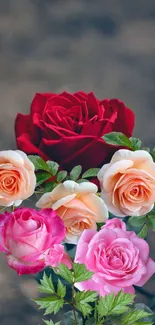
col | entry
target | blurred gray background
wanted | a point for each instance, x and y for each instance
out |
(54, 45)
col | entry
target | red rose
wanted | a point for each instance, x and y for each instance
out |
(69, 128)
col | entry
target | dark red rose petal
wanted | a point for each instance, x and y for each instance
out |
(125, 117)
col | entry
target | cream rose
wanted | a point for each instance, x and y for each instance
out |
(78, 206)
(17, 177)
(128, 183)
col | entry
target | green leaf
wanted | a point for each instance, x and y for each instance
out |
(42, 177)
(81, 273)
(48, 187)
(53, 167)
(137, 221)
(82, 298)
(51, 304)
(91, 321)
(105, 304)
(144, 323)
(134, 316)
(46, 285)
(75, 172)
(117, 139)
(123, 299)
(50, 322)
(38, 163)
(84, 308)
(151, 220)
(92, 172)
(136, 143)
(61, 289)
(142, 306)
(69, 318)
(121, 302)
(143, 232)
(61, 176)
(100, 225)
(85, 296)
(65, 273)
(81, 180)
(114, 305)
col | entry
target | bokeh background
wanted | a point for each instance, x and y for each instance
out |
(54, 45)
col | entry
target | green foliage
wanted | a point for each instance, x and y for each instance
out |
(82, 299)
(91, 321)
(133, 316)
(143, 323)
(151, 220)
(61, 289)
(117, 139)
(81, 273)
(81, 180)
(92, 172)
(137, 221)
(46, 284)
(54, 301)
(38, 163)
(48, 187)
(110, 310)
(42, 177)
(52, 167)
(114, 305)
(143, 232)
(76, 172)
(100, 225)
(85, 296)
(69, 318)
(61, 176)
(136, 143)
(51, 304)
(65, 273)
(50, 322)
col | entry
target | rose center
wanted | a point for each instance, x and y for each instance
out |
(9, 180)
(77, 227)
(115, 257)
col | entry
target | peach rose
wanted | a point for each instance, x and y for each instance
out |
(128, 183)
(78, 206)
(17, 177)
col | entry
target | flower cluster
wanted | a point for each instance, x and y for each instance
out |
(92, 140)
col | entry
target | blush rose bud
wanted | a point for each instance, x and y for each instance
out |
(128, 183)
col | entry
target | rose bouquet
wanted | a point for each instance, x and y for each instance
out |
(93, 186)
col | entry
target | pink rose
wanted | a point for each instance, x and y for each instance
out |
(118, 258)
(27, 237)
(115, 223)
(128, 183)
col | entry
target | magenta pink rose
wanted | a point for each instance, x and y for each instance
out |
(118, 258)
(28, 236)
